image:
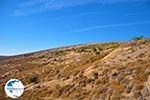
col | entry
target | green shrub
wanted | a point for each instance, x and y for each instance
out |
(33, 78)
(97, 52)
(45, 63)
(42, 56)
(59, 52)
(138, 38)
(83, 49)
(100, 49)
(94, 49)
(115, 46)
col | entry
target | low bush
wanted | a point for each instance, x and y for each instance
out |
(33, 78)
(138, 38)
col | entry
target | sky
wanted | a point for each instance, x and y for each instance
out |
(33, 25)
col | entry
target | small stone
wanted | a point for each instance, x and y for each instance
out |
(140, 98)
(147, 71)
(144, 92)
(129, 87)
(114, 72)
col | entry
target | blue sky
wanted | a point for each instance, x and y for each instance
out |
(33, 25)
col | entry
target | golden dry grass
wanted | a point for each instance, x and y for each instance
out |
(102, 71)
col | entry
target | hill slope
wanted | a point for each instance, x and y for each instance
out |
(2, 57)
(102, 71)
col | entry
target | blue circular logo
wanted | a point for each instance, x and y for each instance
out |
(14, 88)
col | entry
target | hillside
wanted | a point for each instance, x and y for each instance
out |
(100, 71)
(2, 57)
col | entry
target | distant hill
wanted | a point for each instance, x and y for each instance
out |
(100, 71)
(2, 57)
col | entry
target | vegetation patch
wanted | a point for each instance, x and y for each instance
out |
(136, 38)
(33, 78)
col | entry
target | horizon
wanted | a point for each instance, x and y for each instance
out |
(130, 40)
(34, 25)
(60, 47)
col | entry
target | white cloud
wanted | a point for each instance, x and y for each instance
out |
(32, 6)
(110, 26)
(56, 4)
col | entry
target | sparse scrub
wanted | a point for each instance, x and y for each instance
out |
(45, 63)
(91, 49)
(60, 52)
(97, 50)
(44, 56)
(138, 38)
(33, 78)
(94, 49)
(113, 74)
(115, 46)
(83, 49)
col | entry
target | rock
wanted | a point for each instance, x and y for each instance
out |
(145, 92)
(129, 87)
(114, 73)
(119, 78)
(140, 98)
(110, 91)
(137, 87)
(147, 71)
(95, 75)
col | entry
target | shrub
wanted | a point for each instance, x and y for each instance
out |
(60, 52)
(33, 78)
(138, 38)
(94, 49)
(42, 56)
(83, 49)
(115, 46)
(45, 63)
(97, 52)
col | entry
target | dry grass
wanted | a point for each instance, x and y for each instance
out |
(105, 71)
